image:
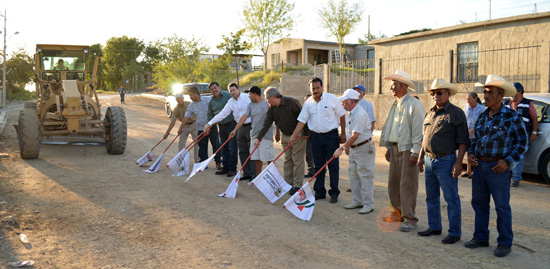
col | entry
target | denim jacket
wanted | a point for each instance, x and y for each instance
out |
(409, 134)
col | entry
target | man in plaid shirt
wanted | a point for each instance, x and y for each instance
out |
(500, 139)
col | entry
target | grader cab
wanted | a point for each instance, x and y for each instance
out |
(67, 103)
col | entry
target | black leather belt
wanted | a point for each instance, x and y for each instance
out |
(434, 156)
(490, 159)
(329, 132)
(246, 124)
(360, 144)
(189, 123)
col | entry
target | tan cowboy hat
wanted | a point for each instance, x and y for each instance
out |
(402, 77)
(498, 81)
(440, 83)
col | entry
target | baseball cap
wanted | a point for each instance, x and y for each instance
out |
(360, 87)
(518, 86)
(349, 94)
(254, 89)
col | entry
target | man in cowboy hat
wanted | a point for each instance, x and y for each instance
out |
(526, 110)
(500, 139)
(402, 136)
(361, 151)
(445, 130)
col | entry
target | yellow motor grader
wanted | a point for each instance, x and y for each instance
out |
(67, 103)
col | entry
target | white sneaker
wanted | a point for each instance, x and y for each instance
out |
(353, 205)
(366, 210)
(407, 227)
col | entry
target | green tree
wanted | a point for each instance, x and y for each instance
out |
(415, 31)
(370, 37)
(339, 19)
(232, 44)
(19, 72)
(179, 61)
(118, 54)
(266, 21)
(96, 51)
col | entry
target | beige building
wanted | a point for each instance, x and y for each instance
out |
(516, 48)
(297, 51)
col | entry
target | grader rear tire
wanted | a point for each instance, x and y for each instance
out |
(115, 130)
(29, 134)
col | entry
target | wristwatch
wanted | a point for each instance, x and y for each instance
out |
(343, 147)
(534, 133)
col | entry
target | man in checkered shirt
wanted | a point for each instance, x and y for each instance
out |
(500, 139)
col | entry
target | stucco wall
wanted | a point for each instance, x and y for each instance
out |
(516, 48)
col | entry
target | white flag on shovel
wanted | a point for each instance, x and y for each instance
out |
(199, 167)
(179, 165)
(231, 191)
(302, 203)
(148, 157)
(155, 167)
(271, 183)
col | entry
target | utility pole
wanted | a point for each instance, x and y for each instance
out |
(489, 9)
(4, 66)
(4, 63)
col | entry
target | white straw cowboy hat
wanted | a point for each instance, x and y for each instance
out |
(440, 83)
(498, 81)
(402, 77)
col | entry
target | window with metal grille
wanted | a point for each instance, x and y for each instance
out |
(275, 59)
(467, 63)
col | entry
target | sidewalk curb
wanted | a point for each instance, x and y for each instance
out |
(3, 121)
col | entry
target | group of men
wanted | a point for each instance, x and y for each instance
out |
(414, 139)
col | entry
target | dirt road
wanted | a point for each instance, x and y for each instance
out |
(84, 208)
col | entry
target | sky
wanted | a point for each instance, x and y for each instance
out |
(90, 22)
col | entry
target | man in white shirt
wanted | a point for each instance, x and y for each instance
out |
(361, 151)
(321, 112)
(237, 105)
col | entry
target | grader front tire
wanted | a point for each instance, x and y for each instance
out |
(29, 134)
(115, 130)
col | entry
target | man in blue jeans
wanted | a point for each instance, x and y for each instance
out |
(526, 110)
(500, 139)
(445, 130)
(198, 110)
(322, 112)
(226, 125)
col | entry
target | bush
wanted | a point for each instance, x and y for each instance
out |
(272, 77)
(22, 95)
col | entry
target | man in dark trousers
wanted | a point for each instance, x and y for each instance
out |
(500, 139)
(322, 112)
(445, 130)
(526, 110)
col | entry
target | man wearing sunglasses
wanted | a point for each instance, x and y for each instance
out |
(445, 130)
